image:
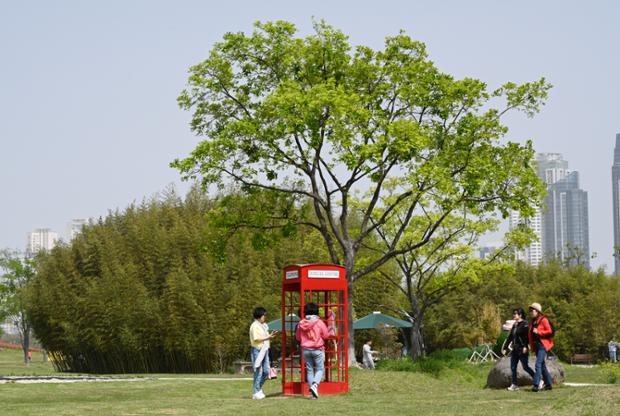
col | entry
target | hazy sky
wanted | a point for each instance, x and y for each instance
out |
(88, 114)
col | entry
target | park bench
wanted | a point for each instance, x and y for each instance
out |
(243, 367)
(581, 359)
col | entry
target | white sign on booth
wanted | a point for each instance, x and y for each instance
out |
(323, 274)
(292, 274)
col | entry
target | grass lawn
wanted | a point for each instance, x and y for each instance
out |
(372, 393)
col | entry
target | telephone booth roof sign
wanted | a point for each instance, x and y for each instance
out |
(315, 274)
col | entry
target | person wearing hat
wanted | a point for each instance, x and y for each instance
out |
(541, 342)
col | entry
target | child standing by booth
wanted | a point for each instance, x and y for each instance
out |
(311, 332)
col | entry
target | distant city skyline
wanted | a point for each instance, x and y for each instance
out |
(91, 122)
(47, 238)
(561, 225)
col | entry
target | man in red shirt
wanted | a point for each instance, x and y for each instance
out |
(541, 342)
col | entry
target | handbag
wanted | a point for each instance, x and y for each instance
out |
(273, 374)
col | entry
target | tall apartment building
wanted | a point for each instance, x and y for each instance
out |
(565, 232)
(551, 167)
(41, 239)
(75, 227)
(615, 180)
(561, 226)
(533, 254)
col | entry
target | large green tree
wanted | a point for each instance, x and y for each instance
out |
(351, 128)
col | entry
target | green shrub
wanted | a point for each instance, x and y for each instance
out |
(611, 372)
(497, 348)
(581, 304)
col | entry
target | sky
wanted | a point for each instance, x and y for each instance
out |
(89, 120)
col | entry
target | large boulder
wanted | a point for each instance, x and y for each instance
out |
(500, 375)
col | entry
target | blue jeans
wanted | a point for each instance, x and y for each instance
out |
(515, 357)
(541, 368)
(613, 356)
(261, 373)
(315, 361)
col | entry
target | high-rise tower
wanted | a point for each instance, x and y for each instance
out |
(561, 225)
(615, 180)
(565, 231)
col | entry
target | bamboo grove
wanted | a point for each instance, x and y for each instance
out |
(147, 290)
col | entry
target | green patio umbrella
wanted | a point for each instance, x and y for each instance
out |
(291, 321)
(375, 319)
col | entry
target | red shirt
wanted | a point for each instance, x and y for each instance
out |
(544, 333)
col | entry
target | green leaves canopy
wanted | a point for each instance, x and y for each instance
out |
(379, 131)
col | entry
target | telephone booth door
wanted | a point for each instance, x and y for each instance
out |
(325, 285)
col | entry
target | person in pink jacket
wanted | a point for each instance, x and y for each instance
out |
(311, 332)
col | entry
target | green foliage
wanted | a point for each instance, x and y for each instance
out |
(17, 273)
(144, 291)
(499, 343)
(382, 133)
(611, 372)
(582, 305)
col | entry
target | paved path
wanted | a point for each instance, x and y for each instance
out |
(206, 378)
(589, 385)
(88, 379)
(67, 379)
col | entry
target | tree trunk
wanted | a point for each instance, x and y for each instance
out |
(417, 341)
(26, 344)
(351, 334)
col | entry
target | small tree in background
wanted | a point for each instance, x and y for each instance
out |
(447, 262)
(17, 273)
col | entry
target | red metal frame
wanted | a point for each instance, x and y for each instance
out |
(325, 285)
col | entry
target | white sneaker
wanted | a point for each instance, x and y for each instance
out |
(541, 384)
(261, 395)
(314, 390)
(513, 387)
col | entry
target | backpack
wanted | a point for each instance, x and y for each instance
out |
(552, 328)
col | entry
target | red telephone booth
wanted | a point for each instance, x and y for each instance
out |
(325, 285)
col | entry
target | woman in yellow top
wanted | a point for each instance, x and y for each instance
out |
(259, 341)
